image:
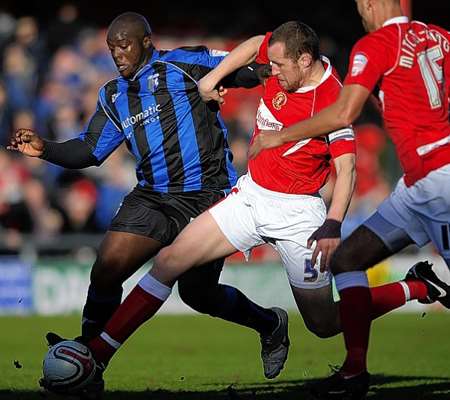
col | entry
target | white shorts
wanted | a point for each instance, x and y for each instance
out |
(251, 215)
(422, 210)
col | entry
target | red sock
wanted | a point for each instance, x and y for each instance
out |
(393, 295)
(355, 309)
(417, 289)
(138, 307)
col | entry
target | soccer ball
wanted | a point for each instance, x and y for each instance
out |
(68, 367)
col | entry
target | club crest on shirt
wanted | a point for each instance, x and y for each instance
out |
(359, 63)
(115, 96)
(153, 82)
(279, 100)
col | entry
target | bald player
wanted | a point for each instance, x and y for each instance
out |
(183, 167)
(409, 61)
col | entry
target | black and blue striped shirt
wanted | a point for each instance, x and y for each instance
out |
(179, 142)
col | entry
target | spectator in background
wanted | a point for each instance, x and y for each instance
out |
(88, 102)
(70, 69)
(52, 95)
(91, 46)
(27, 36)
(65, 121)
(77, 199)
(22, 118)
(5, 116)
(64, 29)
(47, 220)
(19, 76)
(116, 180)
(7, 26)
(14, 214)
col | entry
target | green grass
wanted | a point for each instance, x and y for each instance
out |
(198, 357)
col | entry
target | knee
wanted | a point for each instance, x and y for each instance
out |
(321, 329)
(194, 297)
(169, 258)
(107, 271)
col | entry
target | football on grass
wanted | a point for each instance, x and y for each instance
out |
(68, 367)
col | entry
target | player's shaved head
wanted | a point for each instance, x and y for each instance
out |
(130, 43)
(130, 23)
(375, 12)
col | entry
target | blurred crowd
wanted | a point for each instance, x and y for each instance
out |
(49, 80)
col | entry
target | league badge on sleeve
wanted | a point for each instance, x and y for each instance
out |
(218, 53)
(359, 63)
(115, 96)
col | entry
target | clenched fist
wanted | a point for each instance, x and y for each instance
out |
(27, 142)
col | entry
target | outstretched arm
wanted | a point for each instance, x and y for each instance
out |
(338, 115)
(72, 154)
(243, 54)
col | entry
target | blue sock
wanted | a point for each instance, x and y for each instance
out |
(236, 307)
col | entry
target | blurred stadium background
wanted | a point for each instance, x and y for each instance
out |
(54, 59)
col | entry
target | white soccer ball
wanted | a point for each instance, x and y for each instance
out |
(68, 367)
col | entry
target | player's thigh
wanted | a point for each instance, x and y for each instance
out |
(120, 255)
(429, 199)
(361, 250)
(439, 234)
(397, 222)
(199, 242)
(126, 250)
(214, 234)
(141, 214)
(235, 218)
(386, 232)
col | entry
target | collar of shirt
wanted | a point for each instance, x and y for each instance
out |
(403, 19)
(154, 56)
(327, 73)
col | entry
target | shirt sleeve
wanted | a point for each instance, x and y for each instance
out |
(262, 57)
(102, 135)
(341, 142)
(369, 60)
(197, 61)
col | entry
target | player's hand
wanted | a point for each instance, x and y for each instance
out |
(264, 140)
(326, 248)
(327, 238)
(208, 91)
(27, 142)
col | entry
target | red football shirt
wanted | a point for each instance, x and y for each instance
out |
(410, 62)
(302, 167)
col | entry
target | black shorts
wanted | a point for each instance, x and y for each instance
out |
(161, 216)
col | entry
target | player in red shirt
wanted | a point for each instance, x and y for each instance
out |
(410, 62)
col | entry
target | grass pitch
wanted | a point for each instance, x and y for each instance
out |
(193, 357)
